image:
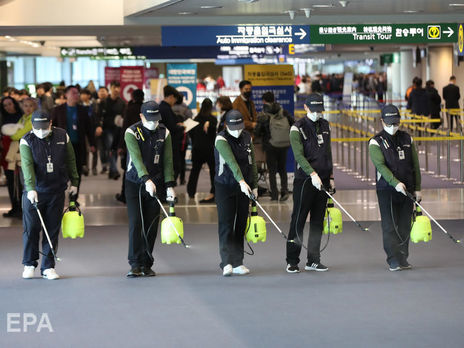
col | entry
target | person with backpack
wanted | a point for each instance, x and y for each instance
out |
(274, 128)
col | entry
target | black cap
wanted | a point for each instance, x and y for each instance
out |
(234, 120)
(390, 114)
(150, 110)
(315, 102)
(40, 119)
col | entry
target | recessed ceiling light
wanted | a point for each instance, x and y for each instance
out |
(411, 11)
(323, 5)
(248, 1)
(210, 6)
(185, 13)
(456, 5)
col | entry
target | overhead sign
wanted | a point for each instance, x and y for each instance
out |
(235, 52)
(248, 35)
(99, 52)
(461, 40)
(184, 78)
(384, 33)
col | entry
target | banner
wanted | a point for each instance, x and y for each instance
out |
(278, 79)
(150, 73)
(111, 74)
(183, 77)
(131, 79)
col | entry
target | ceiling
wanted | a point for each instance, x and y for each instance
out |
(138, 22)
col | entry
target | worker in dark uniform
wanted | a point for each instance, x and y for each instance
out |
(394, 155)
(149, 173)
(236, 180)
(48, 163)
(310, 141)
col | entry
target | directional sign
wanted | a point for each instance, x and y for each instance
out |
(383, 33)
(99, 52)
(248, 35)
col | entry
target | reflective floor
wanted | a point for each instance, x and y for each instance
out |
(101, 208)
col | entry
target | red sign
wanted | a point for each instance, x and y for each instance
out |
(111, 74)
(131, 78)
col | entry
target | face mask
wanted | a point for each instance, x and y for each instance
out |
(247, 94)
(391, 129)
(41, 133)
(314, 116)
(235, 133)
(151, 125)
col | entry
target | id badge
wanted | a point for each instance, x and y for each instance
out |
(157, 159)
(49, 167)
(320, 139)
(401, 154)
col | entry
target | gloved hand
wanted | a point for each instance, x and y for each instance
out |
(150, 187)
(255, 193)
(316, 180)
(170, 194)
(332, 189)
(401, 188)
(73, 190)
(418, 196)
(245, 188)
(32, 196)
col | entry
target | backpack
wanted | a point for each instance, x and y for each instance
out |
(280, 130)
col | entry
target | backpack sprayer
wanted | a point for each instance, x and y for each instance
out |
(46, 233)
(72, 224)
(172, 228)
(421, 228)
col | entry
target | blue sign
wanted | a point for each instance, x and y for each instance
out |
(245, 35)
(184, 78)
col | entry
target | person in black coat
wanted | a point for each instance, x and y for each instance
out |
(203, 136)
(418, 101)
(74, 118)
(451, 95)
(434, 100)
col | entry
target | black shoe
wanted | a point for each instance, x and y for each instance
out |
(394, 266)
(94, 171)
(135, 272)
(318, 267)
(210, 200)
(405, 265)
(292, 269)
(119, 197)
(148, 272)
(104, 170)
(114, 176)
(284, 197)
(13, 213)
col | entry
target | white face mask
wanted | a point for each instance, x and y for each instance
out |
(235, 133)
(41, 133)
(314, 116)
(151, 125)
(391, 129)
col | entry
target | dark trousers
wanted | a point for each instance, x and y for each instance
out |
(140, 246)
(453, 118)
(14, 189)
(182, 164)
(395, 209)
(111, 153)
(51, 207)
(306, 199)
(276, 160)
(232, 207)
(198, 158)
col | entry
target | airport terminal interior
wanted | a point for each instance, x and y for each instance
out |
(246, 96)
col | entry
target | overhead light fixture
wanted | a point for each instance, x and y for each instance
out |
(343, 3)
(291, 13)
(307, 12)
(412, 11)
(185, 13)
(207, 7)
(248, 1)
(456, 5)
(323, 5)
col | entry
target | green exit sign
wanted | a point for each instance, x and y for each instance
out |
(383, 33)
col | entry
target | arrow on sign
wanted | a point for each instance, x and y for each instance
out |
(449, 32)
(301, 33)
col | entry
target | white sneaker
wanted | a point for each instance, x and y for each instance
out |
(50, 274)
(227, 271)
(241, 270)
(28, 272)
